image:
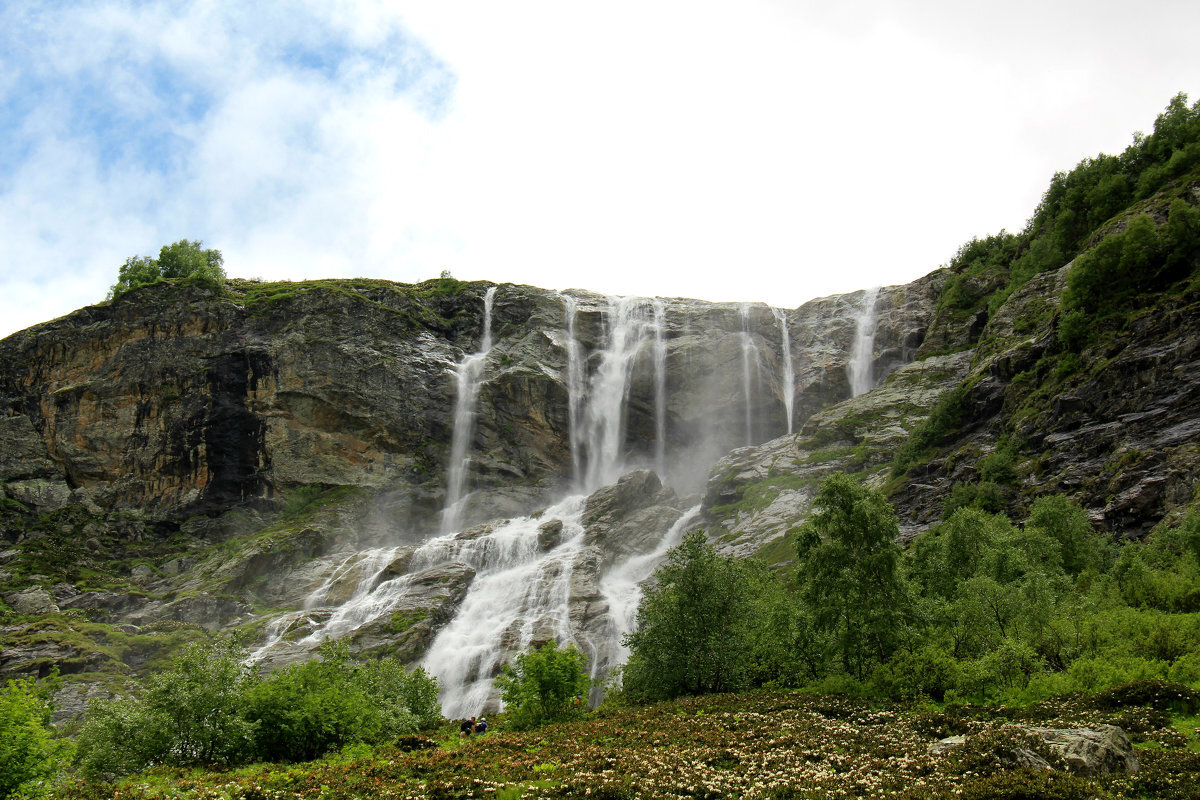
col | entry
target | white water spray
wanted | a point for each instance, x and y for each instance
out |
(576, 387)
(519, 595)
(608, 392)
(660, 388)
(789, 372)
(749, 359)
(862, 355)
(468, 378)
(622, 590)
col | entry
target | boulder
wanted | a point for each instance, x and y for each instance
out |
(1102, 750)
(550, 534)
(33, 600)
(1090, 752)
(43, 494)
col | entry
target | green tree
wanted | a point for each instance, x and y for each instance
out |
(691, 633)
(29, 753)
(306, 710)
(1079, 545)
(549, 684)
(185, 260)
(191, 713)
(849, 568)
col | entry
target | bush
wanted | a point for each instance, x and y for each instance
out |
(29, 753)
(192, 713)
(1159, 695)
(545, 685)
(1029, 784)
(692, 634)
(184, 260)
(307, 710)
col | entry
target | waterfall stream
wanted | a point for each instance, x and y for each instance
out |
(608, 391)
(749, 360)
(521, 590)
(519, 595)
(575, 388)
(468, 379)
(788, 378)
(862, 354)
(660, 388)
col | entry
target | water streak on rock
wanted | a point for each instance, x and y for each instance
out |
(862, 355)
(468, 378)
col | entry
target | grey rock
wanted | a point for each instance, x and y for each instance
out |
(1091, 752)
(143, 573)
(72, 700)
(629, 516)
(23, 452)
(550, 534)
(34, 600)
(205, 610)
(1102, 750)
(178, 565)
(43, 494)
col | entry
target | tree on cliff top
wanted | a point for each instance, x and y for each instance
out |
(184, 260)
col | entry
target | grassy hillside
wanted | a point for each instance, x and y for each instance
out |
(770, 744)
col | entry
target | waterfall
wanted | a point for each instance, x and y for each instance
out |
(660, 388)
(608, 391)
(789, 373)
(621, 588)
(519, 595)
(521, 592)
(749, 357)
(468, 378)
(367, 600)
(575, 387)
(862, 355)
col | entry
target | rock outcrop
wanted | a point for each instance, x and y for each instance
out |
(1090, 752)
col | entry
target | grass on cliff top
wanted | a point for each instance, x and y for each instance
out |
(405, 299)
(760, 745)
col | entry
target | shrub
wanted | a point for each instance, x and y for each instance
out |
(183, 260)
(1029, 784)
(306, 710)
(191, 713)
(1160, 695)
(28, 751)
(545, 685)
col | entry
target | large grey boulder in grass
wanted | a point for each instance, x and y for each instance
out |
(1102, 750)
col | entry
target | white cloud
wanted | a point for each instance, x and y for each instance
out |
(761, 150)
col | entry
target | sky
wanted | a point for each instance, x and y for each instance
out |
(739, 150)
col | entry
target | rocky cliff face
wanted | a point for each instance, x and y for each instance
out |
(274, 460)
(264, 460)
(175, 402)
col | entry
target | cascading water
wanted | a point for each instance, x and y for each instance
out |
(862, 354)
(621, 588)
(789, 372)
(749, 360)
(608, 392)
(468, 379)
(521, 592)
(660, 388)
(575, 387)
(519, 595)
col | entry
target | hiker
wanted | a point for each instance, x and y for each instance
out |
(481, 726)
(467, 728)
